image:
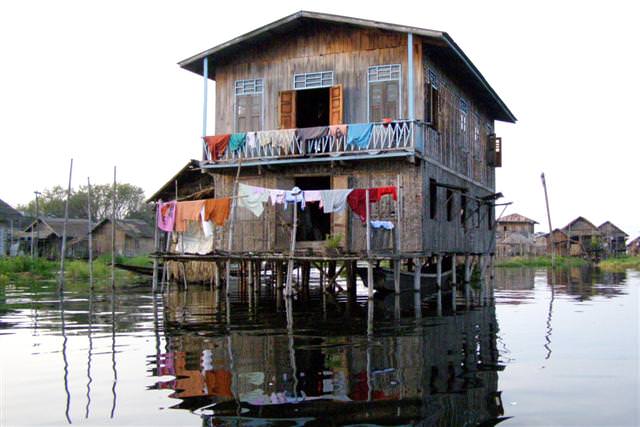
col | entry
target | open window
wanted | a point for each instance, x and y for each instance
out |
(311, 107)
(494, 151)
(384, 92)
(431, 101)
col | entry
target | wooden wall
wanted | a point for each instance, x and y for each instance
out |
(346, 51)
(524, 228)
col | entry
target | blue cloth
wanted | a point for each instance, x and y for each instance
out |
(359, 134)
(237, 141)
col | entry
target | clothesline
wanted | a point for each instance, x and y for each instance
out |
(174, 215)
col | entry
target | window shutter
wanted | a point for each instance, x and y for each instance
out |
(287, 109)
(336, 105)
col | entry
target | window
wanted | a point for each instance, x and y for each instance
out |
(313, 80)
(464, 110)
(463, 210)
(449, 205)
(489, 217)
(433, 198)
(384, 92)
(248, 106)
(431, 97)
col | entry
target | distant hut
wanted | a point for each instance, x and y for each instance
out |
(586, 236)
(189, 181)
(613, 239)
(134, 237)
(10, 222)
(515, 223)
(560, 242)
(633, 248)
(49, 234)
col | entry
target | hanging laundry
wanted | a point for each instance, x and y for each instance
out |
(312, 133)
(387, 225)
(357, 199)
(276, 196)
(166, 216)
(194, 241)
(338, 131)
(252, 140)
(266, 137)
(284, 138)
(312, 196)
(217, 210)
(237, 141)
(252, 198)
(360, 134)
(207, 226)
(294, 196)
(217, 145)
(334, 200)
(187, 211)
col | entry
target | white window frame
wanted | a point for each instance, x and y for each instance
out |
(314, 80)
(388, 70)
(248, 87)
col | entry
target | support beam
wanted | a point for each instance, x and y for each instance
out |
(417, 287)
(439, 283)
(454, 282)
(410, 78)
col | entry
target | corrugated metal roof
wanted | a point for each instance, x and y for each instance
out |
(441, 44)
(75, 227)
(514, 217)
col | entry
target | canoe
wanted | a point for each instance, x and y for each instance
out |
(383, 280)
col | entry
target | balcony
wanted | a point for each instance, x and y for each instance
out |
(396, 139)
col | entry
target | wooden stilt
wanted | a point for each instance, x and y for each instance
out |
(396, 276)
(467, 279)
(156, 249)
(417, 287)
(292, 251)
(454, 284)
(439, 284)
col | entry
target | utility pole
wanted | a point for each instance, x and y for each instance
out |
(546, 199)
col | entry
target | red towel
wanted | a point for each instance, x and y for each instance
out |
(358, 203)
(217, 145)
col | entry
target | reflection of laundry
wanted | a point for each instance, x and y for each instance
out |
(218, 383)
(387, 225)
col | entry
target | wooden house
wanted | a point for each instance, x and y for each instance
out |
(586, 235)
(559, 243)
(10, 222)
(187, 183)
(633, 248)
(515, 223)
(613, 239)
(134, 237)
(432, 114)
(49, 231)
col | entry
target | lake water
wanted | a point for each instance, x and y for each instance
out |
(555, 349)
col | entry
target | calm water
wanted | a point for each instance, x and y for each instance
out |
(565, 354)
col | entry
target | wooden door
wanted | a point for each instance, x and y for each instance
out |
(340, 220)
(336, 105)
(287, 109)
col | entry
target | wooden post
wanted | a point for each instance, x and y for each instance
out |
(156, 247)
(369, 263)
(417, 287)
(546, 199)
(63, 246)
(90, 235)
(234, 206)
(113, 230)
(454, 280)
(439, 283)
(397, 263)
(467, 279)
(292, 250)
(205, 74)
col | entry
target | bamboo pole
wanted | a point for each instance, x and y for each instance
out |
(63, 247)
(234, 208)
(156, 247)
(369, 264)
(90, 235)
(113, 230)
(292, 250)
(546, 199)
(454, 280)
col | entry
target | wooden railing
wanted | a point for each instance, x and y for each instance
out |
(396, 136)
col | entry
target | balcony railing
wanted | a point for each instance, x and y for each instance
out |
(398, 136)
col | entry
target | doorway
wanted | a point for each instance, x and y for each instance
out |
(313, 224)
(312, 108)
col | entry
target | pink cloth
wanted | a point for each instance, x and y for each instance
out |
(166, 216)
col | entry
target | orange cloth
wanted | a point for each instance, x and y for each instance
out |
(217, 210)
(187, 211)
(218, 383)
(217, 145)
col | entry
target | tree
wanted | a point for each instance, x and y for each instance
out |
(129, 202)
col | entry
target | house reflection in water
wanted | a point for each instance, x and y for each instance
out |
(438, 370)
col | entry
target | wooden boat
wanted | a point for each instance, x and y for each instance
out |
(145, 271)
(383, 280)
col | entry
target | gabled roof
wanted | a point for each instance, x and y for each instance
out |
(7, 213)
(132, 227)
(514, 217)
(440, 44)
(556, 231)
(190, 172)
(75, 227)
(579, 219)
(608, 224)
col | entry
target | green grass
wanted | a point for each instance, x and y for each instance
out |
(540, 261)
(21, 268)
(620, 263)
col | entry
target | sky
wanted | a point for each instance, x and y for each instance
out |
(97, 81)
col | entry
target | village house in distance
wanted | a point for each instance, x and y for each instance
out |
(330, 102)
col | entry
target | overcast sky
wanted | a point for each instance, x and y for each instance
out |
(98, 81)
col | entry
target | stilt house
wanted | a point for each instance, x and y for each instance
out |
(432, 114)
(49, 231)
(584, 235)
(613, 239)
